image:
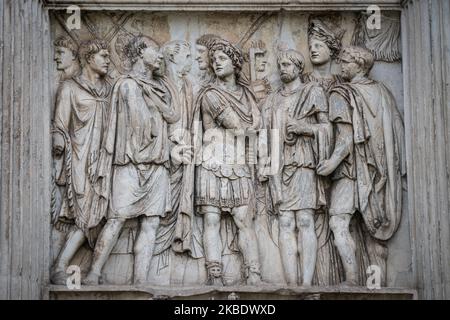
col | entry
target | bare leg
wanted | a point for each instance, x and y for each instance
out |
(74, 241)
(212, 244)
(247, 243)
(346, 246)
(105, 243)
(288, 246)
(143, 248)
(307, 244)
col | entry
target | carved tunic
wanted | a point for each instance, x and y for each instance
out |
(138, 140)
(297, 179)
(370, 178)
(80, 116)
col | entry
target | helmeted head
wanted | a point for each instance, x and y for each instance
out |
(226, 58)
(95, 54)
(355, 61)
(291, 65)
(325, 43)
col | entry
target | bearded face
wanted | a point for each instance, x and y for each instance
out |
(349, 68)
(288, 70)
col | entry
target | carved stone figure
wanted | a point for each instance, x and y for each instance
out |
(324, 39)
(136, 143)
(163, 175)
(258, 69)
(224, 186)
(82, 109)
(180, 230)
(297, 115)
(66, 57)
(368, 162)
(202, 46)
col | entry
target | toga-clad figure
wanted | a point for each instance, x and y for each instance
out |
(137, 145)
(82, 107)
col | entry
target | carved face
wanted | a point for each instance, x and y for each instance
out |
(99, 62)
(288, 70)
(349, 68)
(202, 57)
(216, 272)
(152, 58)
(183, 60)
(319, 52)
(63, 58)
(222, 64)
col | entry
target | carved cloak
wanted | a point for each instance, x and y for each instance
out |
(379, 153)
(80, 117)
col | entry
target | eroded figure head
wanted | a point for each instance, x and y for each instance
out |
(178, 52)
(355, 61)
(203, 44)
(147, 49)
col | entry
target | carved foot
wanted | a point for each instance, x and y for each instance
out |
(92, 279)
(58, 277)
(254, 279)
(140, 282)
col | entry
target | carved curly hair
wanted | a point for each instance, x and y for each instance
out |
(294, 56)
(318, 30)
(207, 40)
(233, 52)
(136, 44)
(362, 57)
(91, 47)
(66, 43)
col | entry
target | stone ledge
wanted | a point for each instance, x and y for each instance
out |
(111, 292)
(224, 5)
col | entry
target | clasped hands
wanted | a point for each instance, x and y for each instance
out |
(182, 154)
(299, 128)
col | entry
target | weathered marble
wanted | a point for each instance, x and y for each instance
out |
(177, 252)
